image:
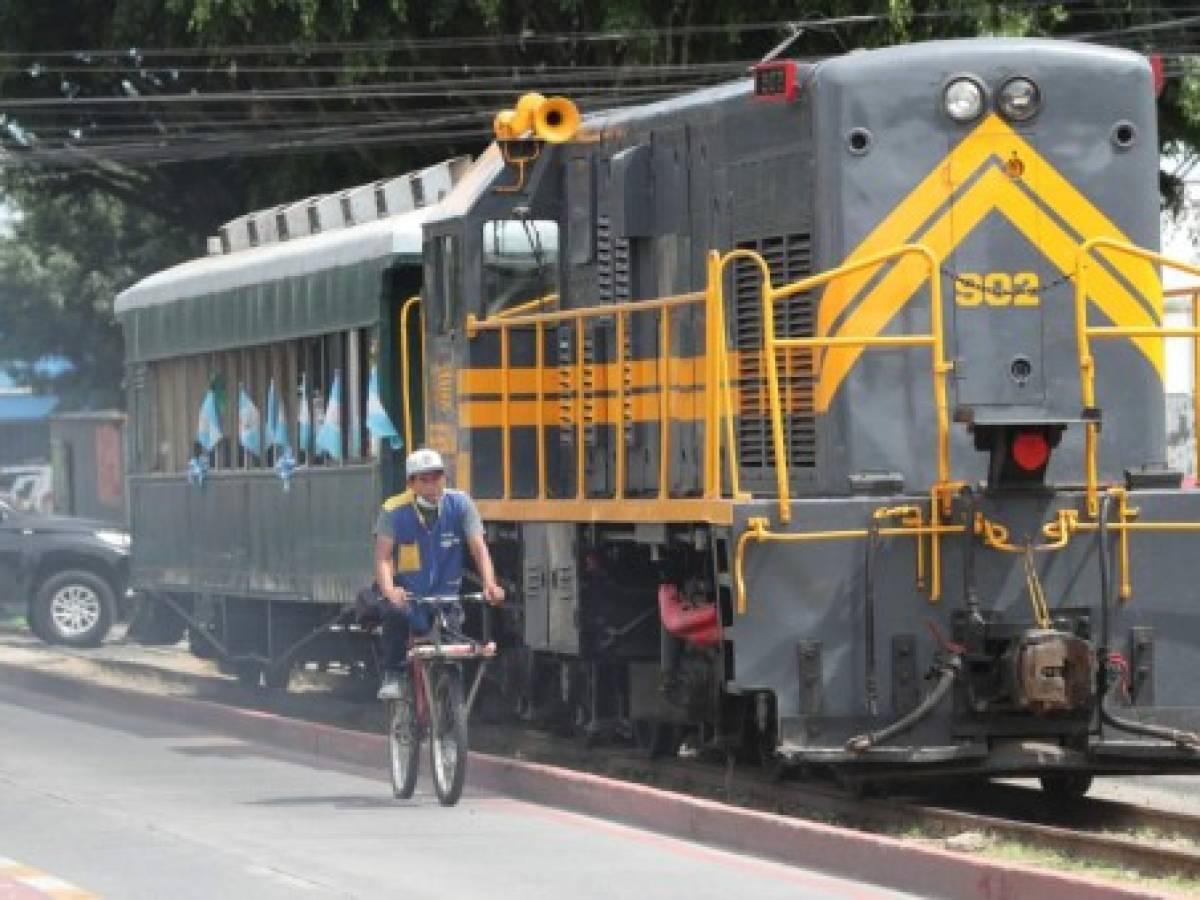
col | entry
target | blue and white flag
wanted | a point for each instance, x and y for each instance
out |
(249, 423)
(197, 470)
(208, 426)
(378, 420)
(329, 437)
(276, 424)
(285, 467)
(304, 417)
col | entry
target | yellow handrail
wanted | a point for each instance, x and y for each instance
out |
(522, 308)
(935, 340)
(491, 323)
(719, 381)
(505, 413)
(619, 430)
(757, 530)
(664, 402)
(717, 399)
(540, 353)
(580, 427)
(405, 375)
(1087, 363)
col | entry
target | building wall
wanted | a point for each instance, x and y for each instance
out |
(24, 442)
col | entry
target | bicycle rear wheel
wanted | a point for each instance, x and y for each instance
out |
(448, 736)
(404, 742)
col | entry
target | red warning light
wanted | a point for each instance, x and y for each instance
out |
(1160, 78)
(776, 81)
(1030, 450)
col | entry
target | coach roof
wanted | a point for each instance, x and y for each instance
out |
(398, 235)
(321, 284)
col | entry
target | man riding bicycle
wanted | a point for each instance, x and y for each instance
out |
(419, 539)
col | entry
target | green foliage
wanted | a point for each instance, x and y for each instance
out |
(59, 273)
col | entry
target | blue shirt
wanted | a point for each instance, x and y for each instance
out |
(428, 556)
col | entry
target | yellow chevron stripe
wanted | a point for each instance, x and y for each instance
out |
(902, 223)
(871, 316)
(993, 190)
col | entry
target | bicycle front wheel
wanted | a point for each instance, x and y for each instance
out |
(448, 736)
(404, 742)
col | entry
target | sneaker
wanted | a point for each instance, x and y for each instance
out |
(390, 689)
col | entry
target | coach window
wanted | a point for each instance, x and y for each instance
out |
(322, 366)
(520, 263)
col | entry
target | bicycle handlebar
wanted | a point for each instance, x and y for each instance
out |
(473, 597)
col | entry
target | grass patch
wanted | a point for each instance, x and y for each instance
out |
(1001, 849)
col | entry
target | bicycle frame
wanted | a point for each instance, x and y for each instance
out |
(423, 653)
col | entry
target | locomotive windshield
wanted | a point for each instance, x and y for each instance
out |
(520, 262)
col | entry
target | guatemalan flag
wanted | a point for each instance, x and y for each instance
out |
(329, 437)
(249, 423)
(208, 425)
(304, 417)
(378, 420)
(276, 425)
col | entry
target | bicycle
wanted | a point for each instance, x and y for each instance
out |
(431, 703)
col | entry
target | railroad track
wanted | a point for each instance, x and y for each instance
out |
(1096, 830)
(1086, 829)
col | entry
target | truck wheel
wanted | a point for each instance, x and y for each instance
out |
(74, 608)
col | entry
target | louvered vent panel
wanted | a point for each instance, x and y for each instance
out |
(789, 259)
(613, 280)
(604, 259)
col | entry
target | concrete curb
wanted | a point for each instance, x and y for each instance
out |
(896, 864)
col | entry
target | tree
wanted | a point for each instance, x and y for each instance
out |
(59, 274)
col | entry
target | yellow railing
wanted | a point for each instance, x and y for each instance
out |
(405, 373)
(529, 306)
(757, 530)
(1084, 334)
(717, 400)
(771, 295)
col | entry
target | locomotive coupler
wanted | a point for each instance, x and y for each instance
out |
(1052, 671)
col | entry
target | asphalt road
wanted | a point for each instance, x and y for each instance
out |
(126, 807)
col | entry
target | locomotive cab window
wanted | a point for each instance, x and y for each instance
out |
(520, 263)
(444, 279)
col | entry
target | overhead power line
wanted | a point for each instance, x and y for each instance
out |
(532, 38)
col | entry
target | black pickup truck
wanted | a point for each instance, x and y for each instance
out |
(67, 575)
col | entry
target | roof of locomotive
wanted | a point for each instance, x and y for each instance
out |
(861, 66)
(398, 235)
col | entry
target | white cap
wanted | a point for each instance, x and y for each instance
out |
(421, 461)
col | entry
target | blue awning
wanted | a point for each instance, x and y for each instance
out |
(26, 407)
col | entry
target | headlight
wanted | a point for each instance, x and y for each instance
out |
(1019, 99)
(119, 540)
(964, 99)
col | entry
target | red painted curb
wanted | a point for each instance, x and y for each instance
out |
(896, 864)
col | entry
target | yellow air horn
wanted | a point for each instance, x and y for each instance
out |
(503, 125)
(556, 120)
(523, 115)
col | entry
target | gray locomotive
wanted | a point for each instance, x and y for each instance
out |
(818, 416)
